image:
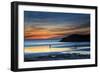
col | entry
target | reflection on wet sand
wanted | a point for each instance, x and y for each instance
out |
(41, 49)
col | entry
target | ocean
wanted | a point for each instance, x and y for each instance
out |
(52, 49)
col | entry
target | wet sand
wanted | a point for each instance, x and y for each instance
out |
(41, 49)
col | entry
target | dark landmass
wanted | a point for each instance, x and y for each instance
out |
(76, 38)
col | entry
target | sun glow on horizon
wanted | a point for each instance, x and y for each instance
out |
(48, 33)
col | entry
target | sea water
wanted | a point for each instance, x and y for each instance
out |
(78, 50)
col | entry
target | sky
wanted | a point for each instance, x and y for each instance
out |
(48, 25)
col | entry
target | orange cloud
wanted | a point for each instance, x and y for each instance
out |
(43, 36)
(39, 34)
(46, 33)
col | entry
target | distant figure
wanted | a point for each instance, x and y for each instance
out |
(75, 46)
(49, 45)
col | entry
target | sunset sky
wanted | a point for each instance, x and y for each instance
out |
(48, 25)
